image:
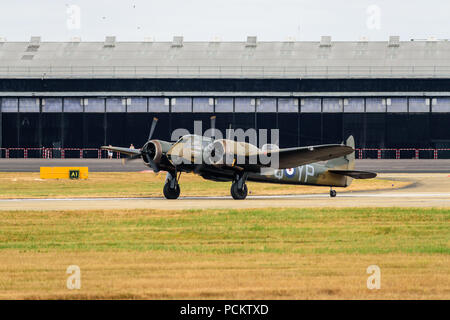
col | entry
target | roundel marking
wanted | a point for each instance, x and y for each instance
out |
(290, 172)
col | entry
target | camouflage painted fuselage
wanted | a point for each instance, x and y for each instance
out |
(310, 174)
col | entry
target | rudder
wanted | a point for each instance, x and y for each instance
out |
(350, 157)
(346, 162)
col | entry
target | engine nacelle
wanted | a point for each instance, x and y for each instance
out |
(230, 152)
(214, 153)
(152, 150)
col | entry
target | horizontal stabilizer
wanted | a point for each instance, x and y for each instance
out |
(355, 174)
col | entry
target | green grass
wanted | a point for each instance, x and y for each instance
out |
(282, 231)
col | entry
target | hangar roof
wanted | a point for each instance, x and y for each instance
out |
(215, 59)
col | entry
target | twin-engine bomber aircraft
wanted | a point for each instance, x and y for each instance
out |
(299, 166)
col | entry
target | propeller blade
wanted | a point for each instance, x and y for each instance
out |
(277, 142)
(228, 132)
(213, 127)
(134, 157)
(152, 129)
(153, 165)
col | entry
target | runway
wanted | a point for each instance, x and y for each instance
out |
(115, 165)
(428, 190)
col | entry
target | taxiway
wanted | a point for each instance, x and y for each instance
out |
(428, 190)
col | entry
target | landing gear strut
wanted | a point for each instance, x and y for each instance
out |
(239, 188)
(171, 188)
(332, 193)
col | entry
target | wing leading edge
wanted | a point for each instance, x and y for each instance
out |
(287, 158)
(294, 157)
(128, 151)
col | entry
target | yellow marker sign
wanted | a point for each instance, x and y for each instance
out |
(64, 172)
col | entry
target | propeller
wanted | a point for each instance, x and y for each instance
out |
(152, 164)
(210, 149)
(131, 158)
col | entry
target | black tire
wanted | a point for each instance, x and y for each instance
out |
(238, 194)
(332, 193)
(171, 193)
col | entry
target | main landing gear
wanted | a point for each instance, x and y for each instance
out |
(332, 193)
(239, 188)
(171, 188)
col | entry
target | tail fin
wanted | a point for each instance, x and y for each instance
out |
(346, 162)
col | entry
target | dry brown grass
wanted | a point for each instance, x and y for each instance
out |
(146, 184)
(168, 275)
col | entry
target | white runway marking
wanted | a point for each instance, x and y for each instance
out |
(296, 196)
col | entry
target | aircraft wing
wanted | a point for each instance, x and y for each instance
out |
(128, 151)
(294, 157)
(355, 174)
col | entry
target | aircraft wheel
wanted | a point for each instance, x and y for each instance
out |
(238, 194)
(170, 193)
(332, 193)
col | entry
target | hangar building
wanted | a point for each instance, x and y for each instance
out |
(388, 94)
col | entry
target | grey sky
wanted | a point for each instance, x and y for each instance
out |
(231, 20)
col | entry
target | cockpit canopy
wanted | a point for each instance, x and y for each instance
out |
(195, 140)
